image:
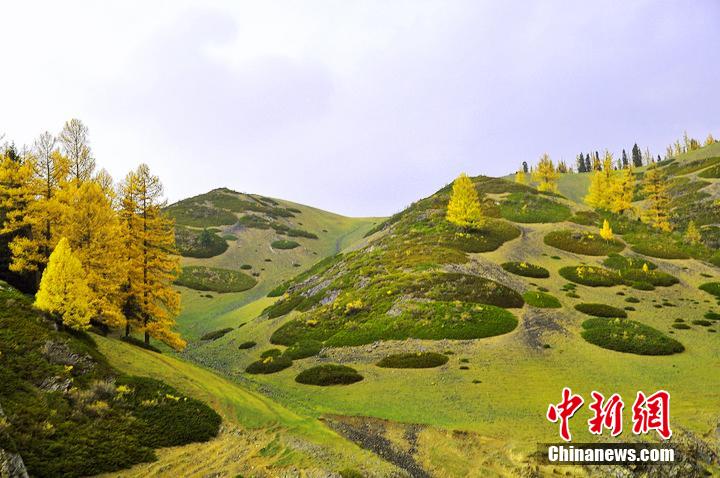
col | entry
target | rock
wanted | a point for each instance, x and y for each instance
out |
(11, 464)
(56, 384)
(59, 353)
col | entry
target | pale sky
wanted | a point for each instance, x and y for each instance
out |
(358, 107)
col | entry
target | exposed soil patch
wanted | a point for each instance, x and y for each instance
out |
(537, 322)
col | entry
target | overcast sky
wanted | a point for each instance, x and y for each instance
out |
(359, 107)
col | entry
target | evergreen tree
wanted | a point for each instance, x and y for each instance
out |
(156, 264)
(525, 167)
(636, 156)
(545, 174)
(588, 163)
(657, 213)
(580, 163)
(64, 292)
(692, 234)
(464, 206)
(625, 161)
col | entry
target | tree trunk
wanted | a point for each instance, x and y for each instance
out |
(147, 338)
(127, 328)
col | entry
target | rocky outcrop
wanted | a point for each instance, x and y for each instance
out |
(11, 464)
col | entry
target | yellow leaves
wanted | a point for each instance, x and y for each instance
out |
(64, 291)
(123, 390)
(521, 177)
(657, 213)
(692, 234)
(464, 207)
(645, 268)
(353, 307)
(172, 397)
(606, 231)
(545, 174)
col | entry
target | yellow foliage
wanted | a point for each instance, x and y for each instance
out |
(606, 231)
(546, 175)
(645, 267)
(64, 291)
(692, 234)
(657, 213)
(464, 206)
(521, 177)
(623, 191)
(353, 307)
(602, 186)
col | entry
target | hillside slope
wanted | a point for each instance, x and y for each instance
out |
(263, 241)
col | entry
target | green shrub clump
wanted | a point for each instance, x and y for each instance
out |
(589, 244)
(247, 345)
(269, 365)
(600, 310)
(214, 279)
(592, 276)
(658, 246)
(284, 244)
(541, 299)
(271, 353)
(201, 244)
(533, 208)
(324, 375)
(216, 334)
(526, 269)
(624, 335)
(413, 360)
(303, 349)
(712, 288)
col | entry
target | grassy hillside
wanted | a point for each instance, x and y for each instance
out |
(421, 285)
(250, 235)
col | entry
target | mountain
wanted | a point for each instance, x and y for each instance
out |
(479, 330)
(236, 247)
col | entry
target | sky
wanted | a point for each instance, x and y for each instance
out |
(357, 107)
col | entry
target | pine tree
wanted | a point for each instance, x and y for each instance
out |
(64, 292)
(588, 164)
(623, 191)
(657, 213)
(580, 163)
(92, 228)
(464, 206)
(521, 177)
(636, 156)
(692, 234)
(625, 161)
(525, 167)
(545, 174)
(156, 264)
(606, 231)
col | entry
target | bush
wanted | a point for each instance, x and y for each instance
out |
(702, 322)
(600, 310)
(592, 276)
(271, 353)
(201, 244)
(284, 244)
(589, 244)
(140, 343)
(246, 267)
(533, 208)
(526, 269)
(229, 237)
(413, 360)
(586, 218)
(283, 307)
(247, 345)
(350, 473)
(657, 246)
(619, 262)
(463, 287)
(680, 326)
(711, 315)
(653, 277)
(214, 279)
(216, 334)
(624, 335)
(632, 300)
(642, 285)
(303, 349)
(541, 299)
(269, 365)
(324, 375)
(711, 288)
(278, 291)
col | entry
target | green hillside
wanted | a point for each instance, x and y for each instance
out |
(263, 241)
(531, 302)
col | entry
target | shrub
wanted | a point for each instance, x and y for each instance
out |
(541, 299)
(702, 322)
(271, 353)
(711, 288)
(680, 326)
(229, 237)
(201, 244)
(278, 291)
(284, 306)
(463, 287)
(140, 343)
(246, 267)
(413, 360)
(619, 262)
(526, 269)
(658, 246)
(653, 277)
(533, 208)
(303, 349)
(214, 279)
(269, 365)
(324, 375)
(642, 285)
(592, 276)
(632, 300)
(216, 334)
(247, 345)
(586, 243)
(711, 315)
(624, 335)
(600, 310)
(284, 244)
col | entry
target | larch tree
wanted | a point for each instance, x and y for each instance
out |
(709, 140)
(156, 264)
(464, 207)
(606, 231)
(92, 228)
(600, 192)
(692, 234)
(545, 174)
(74, 139)
(521, 177)
(657, 213)
(624, 191)
(64, 292)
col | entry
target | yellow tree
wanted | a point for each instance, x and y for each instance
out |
(709, 140)
(464, 206)
(93, 230)
(74, 140)
(657, 213)
(600, 192)
(64, 292)
(692, 234)
(624, 191)
(545, 174)
(521, 177)
(606, 231)
(154, 264)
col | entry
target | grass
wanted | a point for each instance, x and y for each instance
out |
(214, 279)
(533, 208)
(526, 269)
(586, 243)
(542, 300)
(592, 276)
(325, 375)
(284, 244)
(216, 334)
(657, 246)
(413, 360)
(600, 310)
(623, 335)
